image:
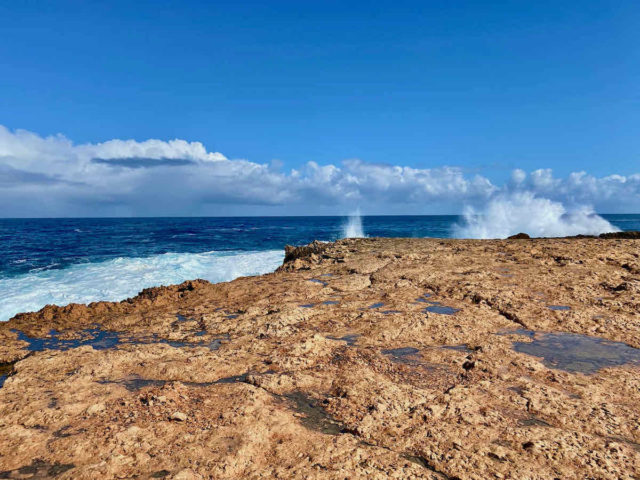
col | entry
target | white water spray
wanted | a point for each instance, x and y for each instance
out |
(523, 212)
(353, 227)
(124, 277)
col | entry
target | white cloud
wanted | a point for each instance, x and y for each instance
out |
(53, 176)
(610, 194)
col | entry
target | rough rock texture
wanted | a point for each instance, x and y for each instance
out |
(331, 368)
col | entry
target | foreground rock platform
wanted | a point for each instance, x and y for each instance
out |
(370, 358)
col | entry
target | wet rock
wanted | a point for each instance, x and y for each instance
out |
(292, 253)
(628, 235)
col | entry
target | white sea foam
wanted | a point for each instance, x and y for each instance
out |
(523, 212)
(353, 227)
(124, 277)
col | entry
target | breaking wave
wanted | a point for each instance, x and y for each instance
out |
(122, 278)
(538, 217)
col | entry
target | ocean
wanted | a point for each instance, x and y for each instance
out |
(61, 261)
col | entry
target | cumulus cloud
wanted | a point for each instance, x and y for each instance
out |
(53, 176)
(608, 193)
(141, 162)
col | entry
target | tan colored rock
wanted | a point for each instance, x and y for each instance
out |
(186, 474)
(278, 376)
(178, 416)
(95, 408)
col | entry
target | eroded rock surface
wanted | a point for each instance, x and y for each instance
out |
(335, 367)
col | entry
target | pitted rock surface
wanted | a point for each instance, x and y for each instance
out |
(336, 389)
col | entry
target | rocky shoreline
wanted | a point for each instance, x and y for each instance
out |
(370, 358)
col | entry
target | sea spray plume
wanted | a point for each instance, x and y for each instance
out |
(523, 212)
(353, 227)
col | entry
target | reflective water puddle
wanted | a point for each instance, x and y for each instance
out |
(558, 307)
(321, 282)
(376, 305)
(436, 307)
(105, 339)
(457, 348)
(404, 355)
(306, 305)
(6, 369)
(330, 302)
(576, 353)
(351, 339)
(424, 298)
(96, 338)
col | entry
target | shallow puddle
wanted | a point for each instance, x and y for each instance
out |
(457, 348)
(96, 338)
(315, 280)
(314, 416)
(161, 474)
(441, 309)
(330, 302)
(134, 383)
(376, 305)
(105, 339)
(306, 305)
(424, 298)
(576, 353)
(351, 339)
(558, 307)
(391, 312)
(533, 421)
(405, 355)
(233, 379)
(6, 369)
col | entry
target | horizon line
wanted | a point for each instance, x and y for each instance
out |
(259, 216)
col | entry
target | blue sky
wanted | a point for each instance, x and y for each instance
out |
(482, 87)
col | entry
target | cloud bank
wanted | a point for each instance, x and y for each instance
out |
(52, 176)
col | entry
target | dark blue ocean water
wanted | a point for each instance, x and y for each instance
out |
(81, 260)
(30, 245)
